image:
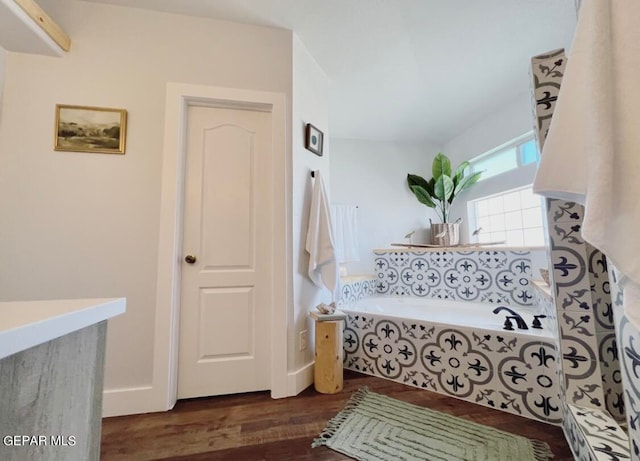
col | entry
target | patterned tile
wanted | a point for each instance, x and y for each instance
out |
(630, 364)
(358, 289)
(605, 439)
(560, 211)
(441, 259)
(468, 279)
(600, 288)
(628, 342)
(576, 438)
(544, 303)
(483, 276)
(581, 370)
(609, 362)
(569, 268)
(579, 324)
(568, 235)
(502, 399)
(458, 367)
(531, 375)
(608, 350)
(546, 76)
(508, 371)
(388, 349)
(585, 313)
(586, 392)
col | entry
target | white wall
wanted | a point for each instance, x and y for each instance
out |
(3, 65)
(310, 105)
(373, 176)
(86, 225)
(501, 126)
(497, 127)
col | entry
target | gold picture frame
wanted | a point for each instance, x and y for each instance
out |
(90, 129)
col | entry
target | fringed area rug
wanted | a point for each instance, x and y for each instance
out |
(376, 427)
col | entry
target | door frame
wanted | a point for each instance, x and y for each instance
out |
(179, 97)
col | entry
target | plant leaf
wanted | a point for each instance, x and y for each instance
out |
(432, 185)
(468, 182)
(415, 180)
(460, 171)
(441, 166)
(443, 188)
(423, 196)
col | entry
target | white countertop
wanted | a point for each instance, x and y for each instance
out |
(24, 324)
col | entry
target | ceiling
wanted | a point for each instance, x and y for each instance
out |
(407, 70)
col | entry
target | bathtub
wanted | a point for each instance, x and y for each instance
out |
(461, 313)
(455, 348)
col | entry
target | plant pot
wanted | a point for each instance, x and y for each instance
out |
(445, 234)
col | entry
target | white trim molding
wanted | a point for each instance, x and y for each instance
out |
(161, 395)
(128, 401)
(179, 96)
(300, 379)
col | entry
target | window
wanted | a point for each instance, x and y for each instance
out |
(503, 204)
(517, 153)
(528, 152)
(513, 217)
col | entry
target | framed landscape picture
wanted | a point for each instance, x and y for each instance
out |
(90, 129)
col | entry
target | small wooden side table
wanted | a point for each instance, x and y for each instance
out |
(329, 352)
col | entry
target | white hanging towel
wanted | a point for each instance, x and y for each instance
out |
(323, 267)
(345, 232)
(592, 151)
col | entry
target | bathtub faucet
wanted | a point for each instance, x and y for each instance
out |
(508, 325)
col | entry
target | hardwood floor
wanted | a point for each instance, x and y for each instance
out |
(248, 427)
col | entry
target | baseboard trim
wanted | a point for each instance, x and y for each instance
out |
(299, 380)
(129, 401)
(135, 400)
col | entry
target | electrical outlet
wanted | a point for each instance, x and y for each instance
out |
(302, 340)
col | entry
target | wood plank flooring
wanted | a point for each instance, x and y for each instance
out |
(249, 427)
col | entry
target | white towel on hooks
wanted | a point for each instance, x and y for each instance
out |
(323, 267)
(345, 231)
(592, 152)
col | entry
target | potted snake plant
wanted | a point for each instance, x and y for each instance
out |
(439, 193)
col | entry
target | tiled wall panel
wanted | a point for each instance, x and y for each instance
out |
(576, 316)
(511, 372)
(629, 352)
(591, 389)
(355, 288)
(494, 276)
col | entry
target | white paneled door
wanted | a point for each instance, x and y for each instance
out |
(227, 253)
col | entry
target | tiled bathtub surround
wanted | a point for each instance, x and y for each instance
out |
(516, 373)
(591, 389)
(355, 287)
(543, 300)
(585, 315)
(594, 435)
(629, 351)
(486, 276)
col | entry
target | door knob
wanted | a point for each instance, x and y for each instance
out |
(190, 259)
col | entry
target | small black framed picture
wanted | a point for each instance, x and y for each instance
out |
(313, 139)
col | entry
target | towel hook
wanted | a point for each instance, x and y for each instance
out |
(313, 174)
